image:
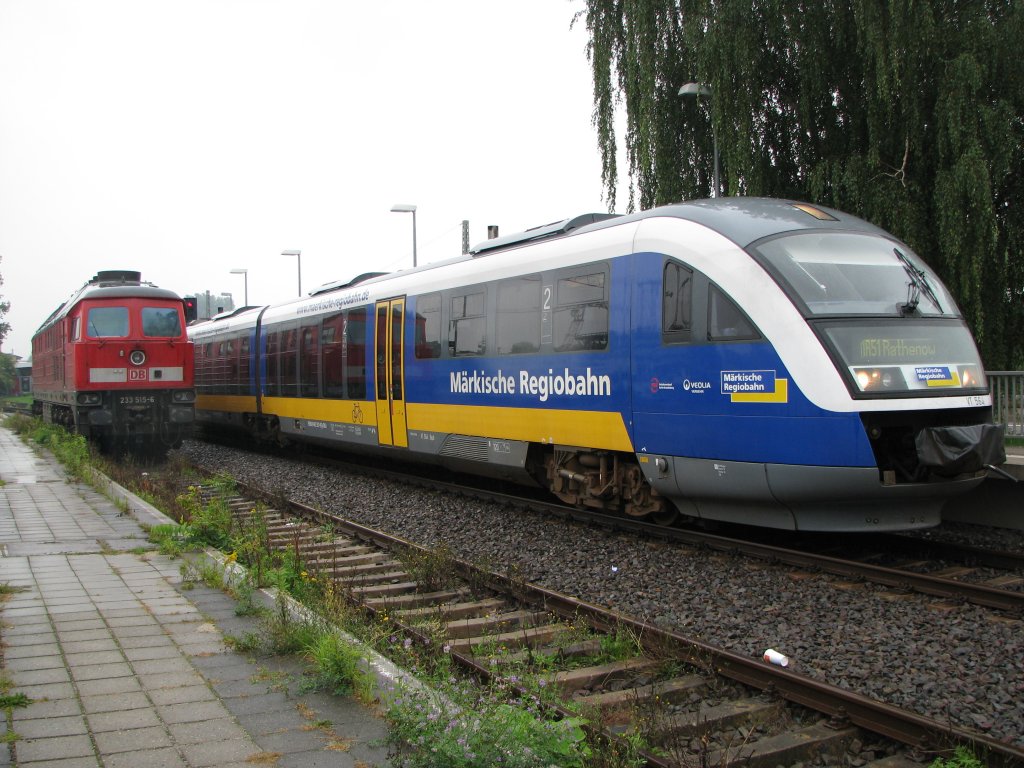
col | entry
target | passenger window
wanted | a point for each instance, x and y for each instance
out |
(309, 362)
(289, 365)
(428, 326)
(242, 372)
(518, 327)
(354, 353)
(332, 344)
(581, 313)
(676, 303)
(726, 321)
(273, 361)
(467, 331)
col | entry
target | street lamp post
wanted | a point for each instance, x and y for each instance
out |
(244, 272)
(297, 255)
(697, 90)
(405, 208)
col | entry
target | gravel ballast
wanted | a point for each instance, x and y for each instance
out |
(958, 664)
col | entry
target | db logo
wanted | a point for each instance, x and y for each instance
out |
(138, 374)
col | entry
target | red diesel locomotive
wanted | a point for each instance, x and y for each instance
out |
(114, 363)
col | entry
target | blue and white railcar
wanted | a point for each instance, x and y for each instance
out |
(750, 360)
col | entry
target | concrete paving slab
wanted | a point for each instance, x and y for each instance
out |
(123, 667)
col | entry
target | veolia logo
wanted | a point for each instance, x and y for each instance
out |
(697, 387)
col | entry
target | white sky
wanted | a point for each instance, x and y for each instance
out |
(185, 138)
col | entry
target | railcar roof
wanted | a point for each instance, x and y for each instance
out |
(745, 220)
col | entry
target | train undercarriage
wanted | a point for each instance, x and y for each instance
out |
(606, 481)
(151, 426)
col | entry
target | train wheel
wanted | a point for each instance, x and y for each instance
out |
(666, 516)
(642, 501)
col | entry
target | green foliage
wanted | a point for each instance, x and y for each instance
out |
(7, 373)
(904, 113)
(335, 664)
(287, 635)
(5, 307)
(962, 758)
(71, 450)
(484, 728)
(9, 700)
(432, 569)
(208, 520)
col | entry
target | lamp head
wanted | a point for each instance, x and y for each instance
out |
(695, 89)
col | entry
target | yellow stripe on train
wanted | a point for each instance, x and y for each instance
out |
(593, 429)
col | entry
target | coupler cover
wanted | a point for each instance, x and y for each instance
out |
(951, 451)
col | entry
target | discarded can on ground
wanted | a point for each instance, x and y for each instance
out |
(774, 657)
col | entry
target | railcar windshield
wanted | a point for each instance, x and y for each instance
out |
(161, 321)
(841, 273)
(107, 322)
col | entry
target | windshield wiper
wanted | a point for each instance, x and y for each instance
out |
(918, 284)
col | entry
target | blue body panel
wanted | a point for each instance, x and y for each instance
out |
(684, 404)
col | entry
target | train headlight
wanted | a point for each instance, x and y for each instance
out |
(971, 376)
(89, 398)
(183, 396)
(137, 357)
(864, 378)
(879, 379)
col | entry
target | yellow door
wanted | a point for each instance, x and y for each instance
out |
(390, 373)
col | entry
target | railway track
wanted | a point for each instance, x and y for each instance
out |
(493, 625)
(906, 567)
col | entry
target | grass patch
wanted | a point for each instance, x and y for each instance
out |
(335, 664)
(962, 758)
(9, 700)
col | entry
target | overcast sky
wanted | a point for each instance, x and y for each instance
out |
(187, 138)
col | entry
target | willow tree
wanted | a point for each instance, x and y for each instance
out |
(906, 112)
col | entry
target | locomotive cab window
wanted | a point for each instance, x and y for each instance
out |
(726, 321)
(107, 322)
(581, 312)
(676, 303)
(161, 321)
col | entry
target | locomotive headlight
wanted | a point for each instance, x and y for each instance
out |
(89, 398)
(137, 357)
(886, 379)
(183, 396)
